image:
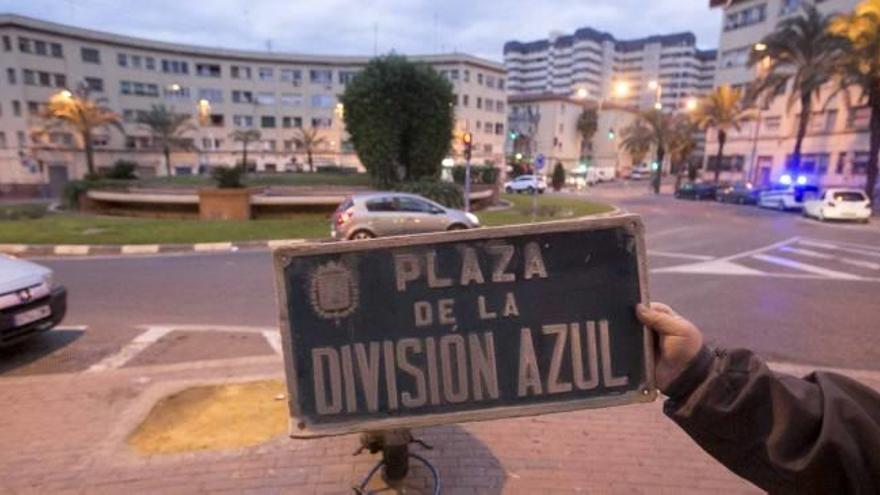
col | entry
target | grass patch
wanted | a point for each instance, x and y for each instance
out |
(213, 418)
(282, 179)
(74, 228)
(22, 211)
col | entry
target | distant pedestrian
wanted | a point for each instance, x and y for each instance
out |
(818, 434)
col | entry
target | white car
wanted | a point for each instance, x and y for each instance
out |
(527, 183)
(30, 301)
(839, 204)
(785, 197)
(640, 172)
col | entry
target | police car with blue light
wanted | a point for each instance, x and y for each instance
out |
(788, 194)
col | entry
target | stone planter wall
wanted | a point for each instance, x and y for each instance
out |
(225, 204)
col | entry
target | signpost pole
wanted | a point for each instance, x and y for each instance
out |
(467, 185)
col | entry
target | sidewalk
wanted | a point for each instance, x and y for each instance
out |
(66, 434)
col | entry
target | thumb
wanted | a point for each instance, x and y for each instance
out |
(663, 322)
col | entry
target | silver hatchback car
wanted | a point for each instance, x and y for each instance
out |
(375, 214)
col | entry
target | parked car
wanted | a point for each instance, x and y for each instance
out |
(527, 183)
(30, 301)
(696, 190)
(742, 193)
(640, 172)
(378, 214)
(839, 204)
(786, 196)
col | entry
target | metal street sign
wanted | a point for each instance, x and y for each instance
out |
(472, 325)
(539, 162)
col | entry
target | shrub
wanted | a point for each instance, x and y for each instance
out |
(228, 177)
(22, 211)
(558, 179)
(74, 189)
(445, 193)
(336, 169)
(480, 174)
(123, 169)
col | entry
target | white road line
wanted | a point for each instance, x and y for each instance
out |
(653, 235)
(769, 247)
(666, 254)
(218, 328)
(140, 249)
(132, 349)
(806, 252)
(797, 265)
(825, 245)
(714, 267)
(861, 263)
(273, 337)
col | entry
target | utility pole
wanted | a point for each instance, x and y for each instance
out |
(468, 140)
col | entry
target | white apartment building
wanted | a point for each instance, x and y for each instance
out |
(231, 89)
(594, 61)
(835, 150)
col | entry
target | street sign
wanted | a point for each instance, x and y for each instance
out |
(539, 162)
(471, 325)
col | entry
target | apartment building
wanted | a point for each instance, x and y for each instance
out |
(835, 150)
(668, 69)
(221, 89)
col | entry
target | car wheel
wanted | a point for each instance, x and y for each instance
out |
(457, 226)
(821, 215)
(780, 206)
(741, 201)
(361, 235)
(530, 190)
(508, 190)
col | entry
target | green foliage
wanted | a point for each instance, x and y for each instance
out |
(336, 169)
(445, 193)
(75, 189)
(228, 177)
(400, 117)
(480, 174)
(558, 179)
(23, 211)
(122, 169)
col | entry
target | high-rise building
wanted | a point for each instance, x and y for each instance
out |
(229, 89)
(668, 69)
(835, 150)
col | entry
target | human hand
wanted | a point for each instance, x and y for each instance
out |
(678, 341)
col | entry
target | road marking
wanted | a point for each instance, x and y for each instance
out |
(715, 267)
(666, 254)
(670, 231)
(212, 246)
(140, 249)
(825, 245)
(283, 242)
(13, 248)
(71, 250)
(860, 263)
(273, 337)
(129, 351)
(806, 252)
(797, 265)
(770, 247)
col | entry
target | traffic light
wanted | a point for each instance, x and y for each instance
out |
(512, 135)
(611, 134)
(654, 166)
(468, 140)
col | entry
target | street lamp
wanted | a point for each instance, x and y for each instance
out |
(691, 104)
(760, 47)
(620, 89)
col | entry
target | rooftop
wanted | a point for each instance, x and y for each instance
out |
(673, 39)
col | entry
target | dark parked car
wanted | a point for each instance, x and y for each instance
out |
(696, 190)
(741, 193)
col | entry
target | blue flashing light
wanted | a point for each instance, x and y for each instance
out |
(654, 166)
(785, 180)
(801, 180)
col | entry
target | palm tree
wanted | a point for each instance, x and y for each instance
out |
(587, 125)
(245, 137)
(723, 111)
(801, 50)
(78, 111)
(681, 145)
(308, 140)
(167, 129)
(859, 67)
(636, 139)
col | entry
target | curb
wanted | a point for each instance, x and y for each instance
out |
(85, 250)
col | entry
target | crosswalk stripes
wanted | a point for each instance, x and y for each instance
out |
(793, 258)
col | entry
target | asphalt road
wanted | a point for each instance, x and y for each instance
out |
(792, 289)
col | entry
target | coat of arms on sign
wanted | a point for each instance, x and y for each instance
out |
(333, 291)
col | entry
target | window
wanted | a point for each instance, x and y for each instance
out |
(490, 104)
(453, 74)
(41, 47)
(100, 141)
(20, 137)
(266, 98)
(138, 88)
(136, 62)
(16, 108)
(291, 99)
(858, 118)
(288, 122)
(213, 95)
(24, 45)
(242, 121)
(270, 145)
(323, 101)
(465, 100)
(814, 163)
(175, 66)
(90, 55)
(499, 128)
(2, 138)
(150, 63)
(321, 76)
(56, 50)
(239, 96)
(841, 163)
(10, 75)
(479, 78)
(240, 72)
(267, 121)
(345, 76)
(291, 75)
(746, 17)
(479, 102)
(266, 73)
(467, 75)
(789, 7)
(208, 70)
(772, 124)
(860, 162)
(7, 43)
(322, 122)
(501, 83)
(499, 106)
(737, 57)
(176, 91)
(122, 59)
(95, 84)
(29, 77)
(33, 108)
(490, 81)
(216, 120)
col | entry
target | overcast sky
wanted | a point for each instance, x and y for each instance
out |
(348, 26)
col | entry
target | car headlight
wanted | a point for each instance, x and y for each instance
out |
(473, 218)
(49, 280)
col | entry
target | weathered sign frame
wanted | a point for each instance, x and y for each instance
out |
(644, 392)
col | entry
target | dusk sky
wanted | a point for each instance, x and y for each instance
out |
(347, 26)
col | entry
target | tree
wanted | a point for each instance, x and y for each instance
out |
(558, 178)
(309, 140)
(167, 129)
(245, 137)
(723, 111)
(587, 125)
(399, 115)
(79, 112)
(636, 139)
(659, 129)
(801, 50)
(859, 67)
(681, 145)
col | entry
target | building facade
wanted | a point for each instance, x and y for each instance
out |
(835, 150)
(668, 69)
(223, 90)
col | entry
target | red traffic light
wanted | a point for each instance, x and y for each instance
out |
(467, 138)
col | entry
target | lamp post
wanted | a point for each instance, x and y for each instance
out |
(619, 89)
(761, 71)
